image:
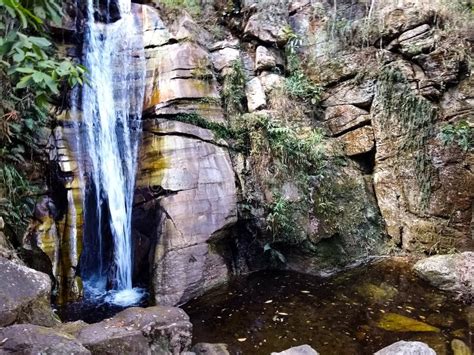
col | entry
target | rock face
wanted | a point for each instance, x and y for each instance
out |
(407, 348)
(454, 273)
(24, 295)
(153, 330)
(32, 339)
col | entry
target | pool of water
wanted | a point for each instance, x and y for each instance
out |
(356, 312)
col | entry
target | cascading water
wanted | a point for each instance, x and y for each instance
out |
(111, 107)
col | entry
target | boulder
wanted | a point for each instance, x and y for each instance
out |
(268, 25)
(25, 295)
(190, 175)
(223, 58)
(407, 348)
(358, 141)
(267, 58)
(210, 349)
(454, 273)
(255, 93)
(344, 118)
(298, 350)
(271, 81)
(350, 93)
(31, 339)
(156, 330)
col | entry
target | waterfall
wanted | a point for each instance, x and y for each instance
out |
(109, 133)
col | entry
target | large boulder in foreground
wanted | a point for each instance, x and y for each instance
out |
(407, 348)
(32, 339)
(24, 295)
(156, 330)
(454, 273)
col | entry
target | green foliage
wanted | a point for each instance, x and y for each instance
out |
(31, 78)
(459, 133)
(233, 91)
(416, 116)
(282, 221)
(297, 84)
(220, 130)
(191, 6)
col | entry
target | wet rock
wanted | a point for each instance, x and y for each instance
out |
(377, 293)
(31, 339)
(267, 58)
(454, 273)
(298, 350)
(407, 348)
(343, 118)
(210, 349)
(358, 141)
(25, 295)
(197, 180)
(460, 348)
(157, 330)
(397, 323)
(255, 93)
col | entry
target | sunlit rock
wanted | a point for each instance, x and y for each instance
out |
(298, 350)
(358, 141)
(407, 348)
(255, 93)
(454, 273)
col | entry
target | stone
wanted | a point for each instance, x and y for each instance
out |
(460, 348)
(407, 348)
(268, 25)
(223, 58)
(416, 41)
(210, 349)
(155, 330)
(25, 295)
(454, 273)
(343, 118)
(397, 323)
(267, 58)
(298, 350)
(398, 20)
(197, 179)
(271, 81)
(256, 98)
(31, 339)
(349, 93)
(358, 141)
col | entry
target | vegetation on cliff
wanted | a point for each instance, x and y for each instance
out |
(32, 78)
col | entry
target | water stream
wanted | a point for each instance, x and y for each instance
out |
(111, 107)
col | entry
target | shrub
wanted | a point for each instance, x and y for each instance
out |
(459, 133)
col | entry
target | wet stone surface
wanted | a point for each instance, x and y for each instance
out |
(356, 312)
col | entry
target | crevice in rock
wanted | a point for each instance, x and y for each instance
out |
(365, 161)
(187, 135)
(352, 128)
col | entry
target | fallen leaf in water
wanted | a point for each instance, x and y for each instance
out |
(242, 339)
(305, 292)
(282, 313)
(269, 301)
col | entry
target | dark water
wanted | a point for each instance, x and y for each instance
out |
(273, 311)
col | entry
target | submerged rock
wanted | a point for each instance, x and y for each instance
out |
(32, 339)
(298, 350)
(398, 323)
(24, 295)
(407, 348)
(454, 273)
(210, 349)
(159, 330)
(460, 348)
